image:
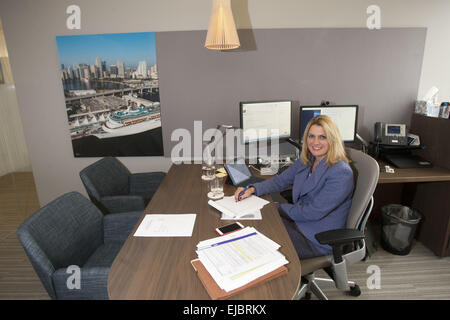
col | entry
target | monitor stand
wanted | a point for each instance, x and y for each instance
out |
(364, 143)
(295, 143)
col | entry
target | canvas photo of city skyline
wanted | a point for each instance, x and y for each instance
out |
(111, 93)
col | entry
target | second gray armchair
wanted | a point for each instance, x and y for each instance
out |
(71, 234)
(113, 188)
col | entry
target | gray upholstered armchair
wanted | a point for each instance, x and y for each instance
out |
(71, 231)
(112, 188)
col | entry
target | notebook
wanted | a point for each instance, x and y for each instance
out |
(249, 208)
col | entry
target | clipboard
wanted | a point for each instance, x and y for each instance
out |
(216, 293)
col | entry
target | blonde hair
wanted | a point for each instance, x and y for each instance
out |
(336, 149)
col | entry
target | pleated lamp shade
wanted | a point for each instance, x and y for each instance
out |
(222, 34)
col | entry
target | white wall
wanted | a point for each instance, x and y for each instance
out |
(31, 26)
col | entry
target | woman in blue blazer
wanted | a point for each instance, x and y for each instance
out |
(322, 183)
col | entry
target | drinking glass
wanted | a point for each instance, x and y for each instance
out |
(216, 187)
(208, 169)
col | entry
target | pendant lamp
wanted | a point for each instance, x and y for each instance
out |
(222, 34)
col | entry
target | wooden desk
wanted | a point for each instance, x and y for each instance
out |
(413, 175)
(160, 268)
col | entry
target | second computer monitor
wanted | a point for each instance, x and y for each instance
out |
(345, 117)
(265, 120)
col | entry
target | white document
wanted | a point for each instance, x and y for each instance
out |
(233, 281)
(236, 259)
(166, 225)
(269, 243)
(236, 209)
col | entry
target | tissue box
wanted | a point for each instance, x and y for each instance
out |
(420, 107)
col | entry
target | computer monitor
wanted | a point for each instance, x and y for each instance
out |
(265, 120)
(345, 117)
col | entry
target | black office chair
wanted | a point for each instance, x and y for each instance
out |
(348, 244)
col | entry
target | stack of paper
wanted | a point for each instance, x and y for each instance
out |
(247, 209)
(239, 258)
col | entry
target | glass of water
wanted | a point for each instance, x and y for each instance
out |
(208, 168)
(216, 187)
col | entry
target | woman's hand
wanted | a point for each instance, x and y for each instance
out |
(246, 194)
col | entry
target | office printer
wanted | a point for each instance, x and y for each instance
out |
(393, 145)
(402, 157)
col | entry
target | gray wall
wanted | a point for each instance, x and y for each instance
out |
(31, 26)
(379, 71)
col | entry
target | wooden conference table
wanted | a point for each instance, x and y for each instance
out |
(160, 268)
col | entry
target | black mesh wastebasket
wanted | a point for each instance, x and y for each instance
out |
(398, 228)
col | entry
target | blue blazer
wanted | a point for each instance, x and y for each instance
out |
(321, 201)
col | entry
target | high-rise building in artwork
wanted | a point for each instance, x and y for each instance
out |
(93, 69)
(86, 74)
(76, 71)
(128, 72)
(120, 69)
(70, 73)
(154, 72)
(98, 64)
(113, 71)
(142, 69)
